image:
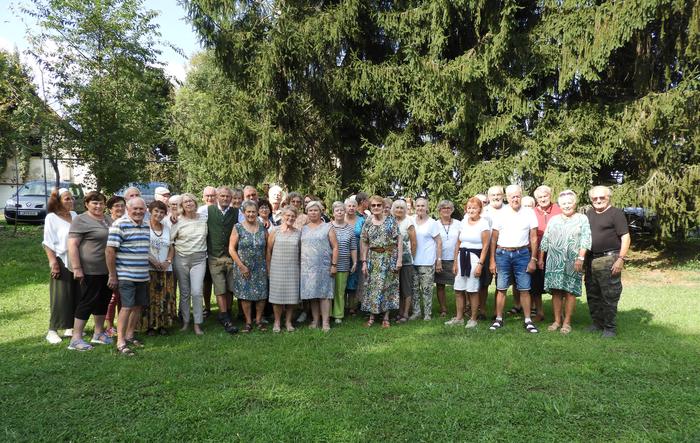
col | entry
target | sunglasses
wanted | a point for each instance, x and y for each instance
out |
(604, 197)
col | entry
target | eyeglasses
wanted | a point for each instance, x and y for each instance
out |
(377, 205)
(599, 197)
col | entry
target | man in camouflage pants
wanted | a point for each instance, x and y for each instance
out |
(610, 243)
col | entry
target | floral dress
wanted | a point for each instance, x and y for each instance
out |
(316, 255)
(381, 287)
(562, 240)
(251, 250)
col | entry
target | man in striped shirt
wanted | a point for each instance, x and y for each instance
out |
(127, 261)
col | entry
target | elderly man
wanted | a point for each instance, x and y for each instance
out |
(221, 219)
(610, 244)
(209, 198)
(127, 262)
(513, 243)
(132, 192)
(162, 194)
(493, 205)
(544, 210)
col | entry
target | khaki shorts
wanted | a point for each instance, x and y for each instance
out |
(221, 270)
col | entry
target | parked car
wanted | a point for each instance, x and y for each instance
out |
(148, 190)
(28, 204)
(641, 220)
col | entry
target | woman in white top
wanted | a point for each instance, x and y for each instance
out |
(189, 238)
(63, 288)
(426, 261)
(408, 238)
(162, 309)
(469, 258)
(448, 235)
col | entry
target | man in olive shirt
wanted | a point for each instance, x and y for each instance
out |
(221, 219)
(610, 243)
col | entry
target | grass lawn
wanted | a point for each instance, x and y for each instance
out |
(416, 382)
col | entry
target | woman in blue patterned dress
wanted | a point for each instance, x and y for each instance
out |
(381, 251)
(566, 240)
(319, 261)
(247, 248)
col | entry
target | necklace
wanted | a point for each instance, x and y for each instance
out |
(447, 227)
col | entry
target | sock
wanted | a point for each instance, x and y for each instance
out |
(499, 318)
(528, 320)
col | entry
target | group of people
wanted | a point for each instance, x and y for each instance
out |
(290, 252)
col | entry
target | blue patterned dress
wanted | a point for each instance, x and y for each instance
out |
(316, 254)
(251, 250)
(562, 240)
(381, 287)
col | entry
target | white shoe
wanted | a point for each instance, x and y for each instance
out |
(53, 337)
(415, 316)
(471, 324)
(68, 333)
(454, 322)
(338, 321)
(301, 318)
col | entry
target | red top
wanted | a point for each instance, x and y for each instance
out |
(543, 217)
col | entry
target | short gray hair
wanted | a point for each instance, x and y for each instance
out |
(338, 204)
(512, 189)
(608, 191)
(316, 203)
(495, 189)
(542, 188)
(248, 204)
(130, 202)
(399, 203)
(446, 204)
(289, 208)
(351, 200)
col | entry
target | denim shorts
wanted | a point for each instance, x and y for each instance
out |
(512, 264)
(133, 293)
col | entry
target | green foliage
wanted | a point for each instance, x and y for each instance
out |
(450, 97)
(108, 84)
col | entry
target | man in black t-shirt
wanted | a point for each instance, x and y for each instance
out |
(610, 243)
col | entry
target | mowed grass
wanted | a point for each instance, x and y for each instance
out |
(416, 382)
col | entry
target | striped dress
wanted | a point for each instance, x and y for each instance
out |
(346, 244)
(284, 268)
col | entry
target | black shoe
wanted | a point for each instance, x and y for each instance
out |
(608, 333)
(593, 328)
(206, 313)
(230, 328)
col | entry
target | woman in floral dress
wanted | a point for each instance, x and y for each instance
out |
(566, 240)
(247, 246)
(381, 262)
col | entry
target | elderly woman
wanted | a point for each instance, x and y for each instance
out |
(282, 257)
(347, 258)
(387, 206)
(427, 260)
(470, 254)
(247, 246)
(566, 240)
(189, 238)
(399, 210)
(381, 254)
(297, 200)
(162, 308)
(63, 288)
(319, 262)
(173, 210)
(86, 254)
(265, 214)
(116, 205)
(448, 237)
(355, 219)
(528, 202)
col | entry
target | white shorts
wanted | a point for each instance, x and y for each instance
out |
(471, 283)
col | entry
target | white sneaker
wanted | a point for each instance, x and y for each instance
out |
(471, 324)
(454, 321)
(53, 337)
(301, 318)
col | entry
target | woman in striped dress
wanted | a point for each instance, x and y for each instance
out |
(347, 258)
(283, 248)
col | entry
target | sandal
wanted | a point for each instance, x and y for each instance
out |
(443, 314)
(402, 320)
(135, 342)
(79, 345)
(369, 323)
(276, 329)
(516, 310)
(247, 328)
(565, 329)
(386, 324)
(497, 324)
(553, 327)
(125, 351)
(291, 329)
(261, 326)
(530, 327)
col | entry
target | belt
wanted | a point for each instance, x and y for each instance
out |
(512, 249)
(381, 250)
(603, 254)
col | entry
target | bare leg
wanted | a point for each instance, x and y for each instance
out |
(288, 317)
(459, 304)
(442, 299)
(569, 308)
(556, 306)
(134, 318)
(222, 301)
(474, 300)
(525, 301)
(123, 326)
(99, 323)
(198, 329)
(517, 302)
(500, 302)
(315, 315)
(483, 295)
(326, 313)
(245, 304)
(78, 327)
(277, 312)
(259, 309)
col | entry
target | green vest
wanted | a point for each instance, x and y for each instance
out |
(219, 227)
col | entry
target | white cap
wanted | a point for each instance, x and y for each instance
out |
(160, 190)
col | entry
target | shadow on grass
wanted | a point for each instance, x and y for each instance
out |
(9, 316)
(670, 254)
